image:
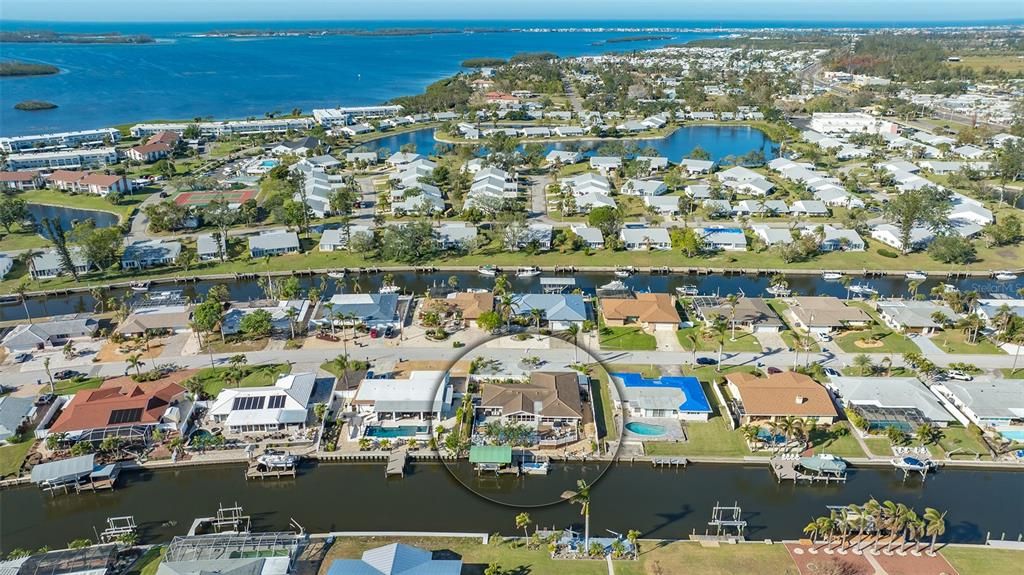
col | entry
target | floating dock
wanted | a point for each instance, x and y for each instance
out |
(255, 471)
(787, 469)
(396, 462)
(669, 462)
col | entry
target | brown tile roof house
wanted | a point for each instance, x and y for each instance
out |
(165, 137)
(557, 394)
(118, 403)
(778, 396)
(64, 178)
(470, 303)
(24, 180)
(655, 310)
(826, 312)
(149, 152)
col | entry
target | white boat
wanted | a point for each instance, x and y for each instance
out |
(949, 288)
(863, 290)
(623, 272)
(831, 276)
(336, 275)
(140, 286)
(535, 468)
(1005, 276)
(487, 271)
(613, 288)
(687, 290)
(916, 276)
(779, 290)
(527, 272)
(912, 463)
(277, 460)
(390, 289)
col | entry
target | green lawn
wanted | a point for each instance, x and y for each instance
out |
(711, 438)
(19, 239)
(650, 371)
(745, 342)
(215, 379)
(984, 560)
(11, 457)
(604, 406)
(789, 337)
(724, 560)
(879, 446)
(1014, 374)
(149, 562)
(960, 441)
(627, 338)
(891, 342)
(70, 386)
(955, 341)
(841, 445)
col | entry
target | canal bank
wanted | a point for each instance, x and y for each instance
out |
(661, 503)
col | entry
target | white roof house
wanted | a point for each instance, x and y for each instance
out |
(834, 238)
(665, 205)
(586, 183)
(604, 164)
(644, 238)
(772, 236)
(877, 395)
(719, 238)
(889, 235)
(592, 200)
(273, 242)
(591, 236)
(694, 166)
(634, 187)
(282, 405)
(989, 404)
(809, 208)
(424, 393)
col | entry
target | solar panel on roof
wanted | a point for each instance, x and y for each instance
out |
(276, 402)
(248, 402)
(119, 416)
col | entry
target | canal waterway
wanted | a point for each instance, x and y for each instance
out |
(660, 503)
(720, 142)
(418, 283)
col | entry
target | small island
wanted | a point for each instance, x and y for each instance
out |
(10, 68)
(34, 105)
(50, 37)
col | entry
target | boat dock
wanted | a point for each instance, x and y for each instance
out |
(396, 462)
(787, 469)
(255, 471)
(669, 462)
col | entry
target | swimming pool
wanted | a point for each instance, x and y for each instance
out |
(393, 432)
(1013, 434)
(269, 163)
(641, 428)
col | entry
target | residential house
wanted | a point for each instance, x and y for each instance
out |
(883, 402)
(698, 191)
(762, 207)
(396, 559)
(779, 396)
(282, 406)
(120, 405)
(378, 310)
(15, 415)
(158, 319)
(751, 314)
(652, 163)
(413, 402)
(996, 405)
(6, 263)
(644, 238)
(824, 314)
(891, 236)
(547, 400)
(273, 243)
(149, 253)
(63, 159)
(456, 235)
(990, 309)
(286, 316)
(694, 167)
(834, 239)
(663, 205)
(651, 311)
(538, 235)
(470, 305)
(302, 147)
(680, 398)
(634, 187)
(49, 333)
(772, 236)
(587, 183)
(50, 265)
(20, 181)
(809, 208)
(368, 158)
(592, 237)
(211, 247)
(605, 164)
(719, 238)
(915, 316)
(357, 129)
(337, 239)
(587, 202)
(558, 310)
(562, 157)
(149, 153)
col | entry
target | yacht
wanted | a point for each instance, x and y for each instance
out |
(1005, 276)
(863, 290)
(613, 289)
(687, 290)
(831, 276)
(779, 290)
(916, 276)
(487, 270)
(527, 272)
(949, 288)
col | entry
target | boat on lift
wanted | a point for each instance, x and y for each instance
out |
(687, 290)
(863, 290)
(1005, 276)
(916, 276)
(390, 288)
(908, 463)
(277, 460)
(535, 468)
(949, 288)
(779, 290)
(613, 288)
(527, 272)
(336, 274)
(139, 287)
(487, 270)
(831, 276)
(624, 272)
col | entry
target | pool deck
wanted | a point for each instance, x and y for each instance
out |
(673, 429)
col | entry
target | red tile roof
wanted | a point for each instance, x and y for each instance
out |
(66, 176)
(152, 147)
(18, 176)
(102, 180)
(164, 137)
(94, 408)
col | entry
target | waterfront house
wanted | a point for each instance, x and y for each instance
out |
(738, 174)
(15, 415)
(149, 253)
(378, 310)
(121, 407)
(273, 243)
(996, 405)
(558, 310)
(592, 237)
(569, 132)
(301, 147)
(778, 396)
(282, 406)
(651, 311)
(50, 265)
(468, 306)
(59, 139)
(91, 560)
(355, 129)
(232, 554)
(634, 187)
(642, 238)
(456, 235)
(719, 238)
(915, 316)
(392, 407)
(651, 164)
(20, 181)
(50, 333)
(605, 164)
(63, 159)
(680, 398)
(824, 314)
(368, 158)
(772, 236)
(548, 399)
(89, 182)
(211, 247)
(833, 239)
(149, 153)
(891, 236)
(883, 402)
(399, 159)
(989, 309)
(531, 235)
(695, 167)
(562, 157)
(6, 263)
(157, 319)
(751, 314)
(395, 559)
(286, 316)
(337, 239)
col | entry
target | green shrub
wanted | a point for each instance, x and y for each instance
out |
(887, 253)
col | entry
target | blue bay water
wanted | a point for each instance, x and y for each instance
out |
(182, 77)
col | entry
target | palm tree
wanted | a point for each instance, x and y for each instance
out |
(873, 513)
(292, 314)
(523, 522)
(581, 497)
(863, 362)
(856, 517)
(1018, 341)
(537, 315)
(573, 331)
(825, 527)
(330, 314)
(21, 290)
(750, 433)
(633, 536)
(506, 310)
(912, 287)
(46, 366)
(935, 525)
(238, 360)
(135, 360)
(732, 300)
(812, 530)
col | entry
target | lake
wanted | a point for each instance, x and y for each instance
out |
(356, 497)
(182, 77)
(719, 141)
(68, 217)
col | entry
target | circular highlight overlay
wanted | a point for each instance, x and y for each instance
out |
(528, 420)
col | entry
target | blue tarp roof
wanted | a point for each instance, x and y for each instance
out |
(693, 392)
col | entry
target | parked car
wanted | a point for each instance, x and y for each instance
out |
(22, 357)
(706, 361)
(957, 374)
(45, 399)
(389, 332)
(832, 372)
(374, 333)
(68, 374)
(825, 337)
(774, 370)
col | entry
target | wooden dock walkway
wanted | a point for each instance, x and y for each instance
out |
(669, 462)
(788, 470)
(254, 472)
(396, 462)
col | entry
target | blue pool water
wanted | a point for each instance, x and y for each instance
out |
(269, 163)
(1013, 434)
(641, 428)
(393, 432)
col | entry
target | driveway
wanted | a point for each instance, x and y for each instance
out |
(927, 346)
(770, 341)
(667, 341)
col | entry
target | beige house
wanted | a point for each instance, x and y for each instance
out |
(778, 396)
(651, 311)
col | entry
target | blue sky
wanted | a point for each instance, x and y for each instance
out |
(720, 11)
